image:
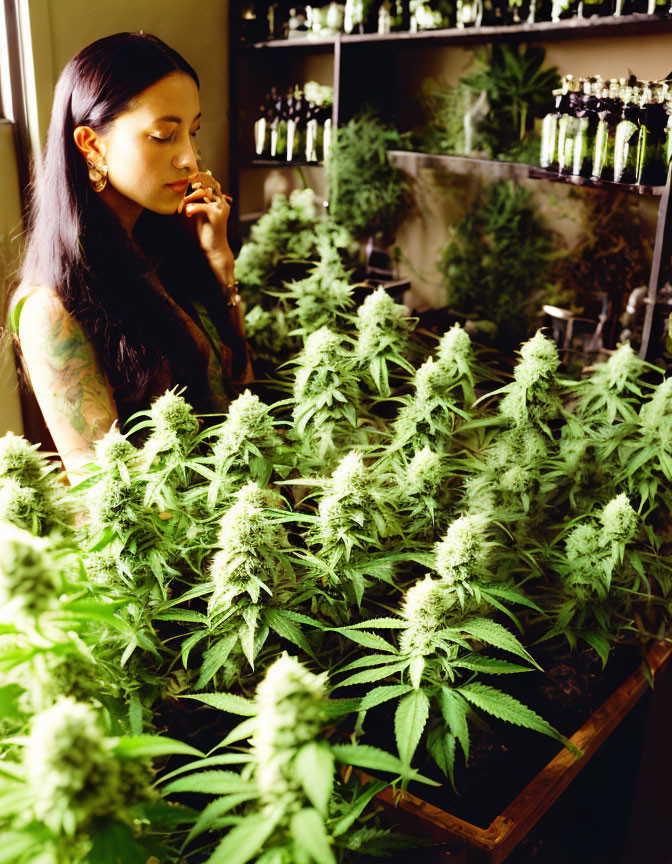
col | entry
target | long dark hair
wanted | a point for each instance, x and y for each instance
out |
(78, 247)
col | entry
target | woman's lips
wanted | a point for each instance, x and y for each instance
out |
(179, 185)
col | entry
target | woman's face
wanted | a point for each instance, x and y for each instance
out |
(150, 149)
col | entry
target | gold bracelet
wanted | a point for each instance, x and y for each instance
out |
(233, 298)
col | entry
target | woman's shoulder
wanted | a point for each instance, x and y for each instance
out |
(33, 307)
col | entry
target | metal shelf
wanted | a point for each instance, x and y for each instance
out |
(570, 28)
(278, 163)
(491, 169)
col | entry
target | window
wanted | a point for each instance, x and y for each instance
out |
(12, 101)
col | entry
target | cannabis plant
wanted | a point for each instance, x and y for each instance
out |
(423, 483)
(287, 804)
(253, 590)
(615, 390)
(246, 446)
(367, 194)
(383, 340)
(445, 108)
(30, 495)
(430, 414)
(322, 298)
(534, 396)
(494, 266)
(598, 570)
(646, 455)
(517, 89)
(326, 395)
(286, 233)
(73, 793)
(432, 670)
(267, 332)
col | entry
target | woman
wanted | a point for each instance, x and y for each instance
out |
(127, 287)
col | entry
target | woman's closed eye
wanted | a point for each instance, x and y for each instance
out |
(162, 138)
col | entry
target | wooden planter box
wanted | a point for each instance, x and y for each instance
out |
(491, 845)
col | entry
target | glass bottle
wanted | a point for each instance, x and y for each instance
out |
(585, 129)
(627, 134)
(549, 127)
(567, 128)
(651, 159)
(279, 128)
(609, 110)
(296, 129)
(262, 128)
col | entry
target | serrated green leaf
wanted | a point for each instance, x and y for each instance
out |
(368, 640)
(228, 702)
(314, 766)
(310, 835)
(214, 658)
(494, 634)
(454, 710)
(244, 841)
(511, 710)
(489, 665)
(214, 810)
(382, 694)
(210, 783)
(208, 762)
(410, 720)
(287, 629)
(148, 746)
(370, 675)
(366, 756)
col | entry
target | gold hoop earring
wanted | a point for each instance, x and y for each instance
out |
(97, 175)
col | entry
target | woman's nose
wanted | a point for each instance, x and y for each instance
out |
(186, 158)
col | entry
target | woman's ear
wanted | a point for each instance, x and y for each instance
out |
(88, 143)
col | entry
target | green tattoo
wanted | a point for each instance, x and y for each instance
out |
(80, 391)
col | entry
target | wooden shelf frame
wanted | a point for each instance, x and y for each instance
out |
(569, 28)
(343, 50)
(412, 161)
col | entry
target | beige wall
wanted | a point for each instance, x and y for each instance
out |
(198, 29)
(10, 226)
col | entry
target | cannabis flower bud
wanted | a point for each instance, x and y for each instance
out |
(18, 504)
(303, 201)
(621, 367)
(426, 609)
(20, 460)
(539, 357)
(430, 385)
(656, 416)
(248, 539)
(454, 354)
(582, 542)
(350, 477)
(111, 504)
(28, 576)
(320, 353)
(173, 421)
(72, 773)
(247, 430)
(380, 320)
(114, 453)
(424, 473)
(463, 553)
(619, 521)
(290, 713)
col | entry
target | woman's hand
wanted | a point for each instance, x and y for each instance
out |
(210, 209)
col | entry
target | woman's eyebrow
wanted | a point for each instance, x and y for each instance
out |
(173, 118)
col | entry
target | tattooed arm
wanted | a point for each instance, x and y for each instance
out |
(69, 383)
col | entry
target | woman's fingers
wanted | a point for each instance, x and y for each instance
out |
(198, 195)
